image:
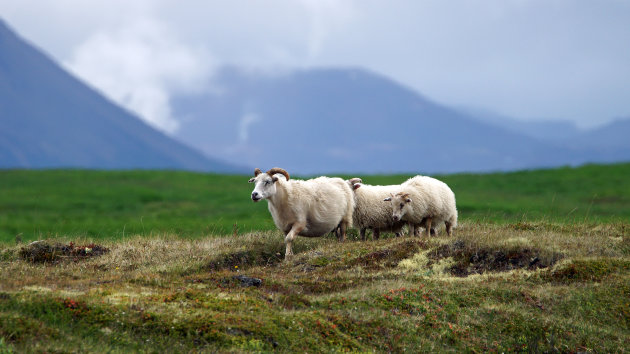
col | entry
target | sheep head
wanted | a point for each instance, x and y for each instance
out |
(355, 182)
(265, 183)
(401, 205)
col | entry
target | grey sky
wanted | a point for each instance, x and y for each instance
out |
(533, 59)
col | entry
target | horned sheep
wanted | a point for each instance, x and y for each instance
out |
(308, 208)
(424, 201)
(370, 212)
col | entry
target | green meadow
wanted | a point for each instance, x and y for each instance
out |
(118, 204)
(162, 261)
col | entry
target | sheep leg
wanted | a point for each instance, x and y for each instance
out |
(414, 229)
(449, 228)
(288, 239)
(362, 233)
(341, 235)
(376, 233)
(427, 227)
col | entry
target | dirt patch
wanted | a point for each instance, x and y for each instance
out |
(245, 259)
(44, 252)
(389, 257)
(471, 259)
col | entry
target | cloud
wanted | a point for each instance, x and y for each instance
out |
(325, 18)
(243, 127)
(522, 58)
(140, 66)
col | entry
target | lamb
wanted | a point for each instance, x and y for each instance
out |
(424, 201)
(370, 212)
(308, 208)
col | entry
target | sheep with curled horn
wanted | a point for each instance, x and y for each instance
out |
(310, 208)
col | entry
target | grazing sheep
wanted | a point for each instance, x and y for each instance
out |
(370, 212)
(309, 208)
(424, 201)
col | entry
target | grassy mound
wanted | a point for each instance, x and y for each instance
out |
(490, 288)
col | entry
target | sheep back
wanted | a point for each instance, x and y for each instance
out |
(323, 203)
(430, 197)
(371, 211)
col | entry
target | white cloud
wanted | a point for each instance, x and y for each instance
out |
(326, 17)
(140, 66)
(243, 127)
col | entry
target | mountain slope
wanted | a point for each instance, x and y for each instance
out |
(349, 120)
(50, 119)
(548, 130)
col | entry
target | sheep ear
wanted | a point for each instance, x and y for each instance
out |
(408, 200)
(387, 199)
(251, 180)
(274, 179)
(356, 186)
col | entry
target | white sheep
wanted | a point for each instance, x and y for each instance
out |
(370, 212)
(309, 208)
(424, 201)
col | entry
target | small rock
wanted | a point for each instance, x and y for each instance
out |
(248, 281)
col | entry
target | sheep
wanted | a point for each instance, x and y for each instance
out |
(310, 208)
(424, 201)
(370, 212)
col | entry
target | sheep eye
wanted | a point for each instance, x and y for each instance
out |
(266, 183)
(401, 205)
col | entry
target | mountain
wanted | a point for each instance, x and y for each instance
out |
(353, 121)
(615, 135)
(607, 143)
(610, 142)
(48, 118)
(548, 130)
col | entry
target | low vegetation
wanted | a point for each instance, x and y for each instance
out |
(515, 287)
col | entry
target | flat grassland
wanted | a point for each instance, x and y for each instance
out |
(118, 204)
(151, 261)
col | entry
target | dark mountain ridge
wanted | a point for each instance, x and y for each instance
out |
(50, 119)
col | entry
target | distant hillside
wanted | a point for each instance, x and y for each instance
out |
(615, 135)
(548, 130)
(352, 120)
(611, 139)
(50, 119)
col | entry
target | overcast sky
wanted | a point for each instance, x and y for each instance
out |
(528, 59)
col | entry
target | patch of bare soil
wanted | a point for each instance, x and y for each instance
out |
(471, 259)
(245, 259)
(389, 257)
(45, 252)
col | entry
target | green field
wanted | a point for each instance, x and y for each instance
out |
(117, 204)
(147, 261)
